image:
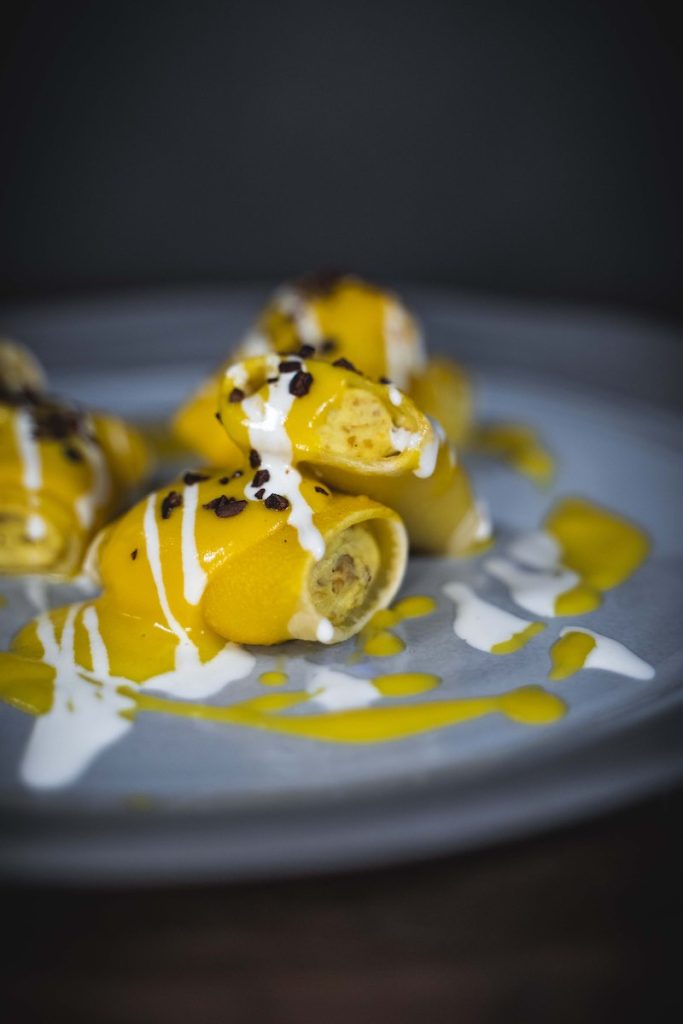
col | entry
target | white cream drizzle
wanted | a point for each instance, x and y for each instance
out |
(395, 396)
(612, 656)
(36, 527)
(534, 590)
(484, 528)
(86, 714)
(151, 532)
(84, 719)
(536, 549)
(429, 453)
(338, 691)
(404, 440)
(29, 451)
(292, 303)
(266, 422)
(254, 343)
(403, 345)
(98, 493)
(194, 577)
(478, 623)
(324, 631)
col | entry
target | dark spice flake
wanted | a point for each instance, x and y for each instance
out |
(319, 283)
(306, 351)
(226, 507)
(276, 502)
(134, 554)
(191, 478)
(259, 494)
(73, 454)
(289, 366)
(345, 364)
(328, 345)
(172, 500)
(236, 395)
(260, 478)
(321, 490)
(300, 384)
(254, 459)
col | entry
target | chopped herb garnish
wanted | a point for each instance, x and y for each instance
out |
(276, 502)
(226, 507)
(172, 500)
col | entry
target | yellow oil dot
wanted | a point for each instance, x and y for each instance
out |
(383, 644)
(273, 678)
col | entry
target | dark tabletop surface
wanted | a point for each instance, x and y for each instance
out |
(574, 925)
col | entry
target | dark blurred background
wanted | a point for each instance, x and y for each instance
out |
(525, 149)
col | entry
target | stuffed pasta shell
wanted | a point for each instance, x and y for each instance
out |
(63, 471)
(204, 561)
(333, 316)
(356, 435)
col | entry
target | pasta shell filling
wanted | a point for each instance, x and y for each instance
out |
(358, 425)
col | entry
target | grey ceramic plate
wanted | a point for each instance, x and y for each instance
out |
(176, 799)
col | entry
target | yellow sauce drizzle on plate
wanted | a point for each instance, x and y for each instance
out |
(528, 705)
(406, 684)
(568, 654)
(519, 640)
(519, 446)
(273, 678)
(375, 638)
(603, 548)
